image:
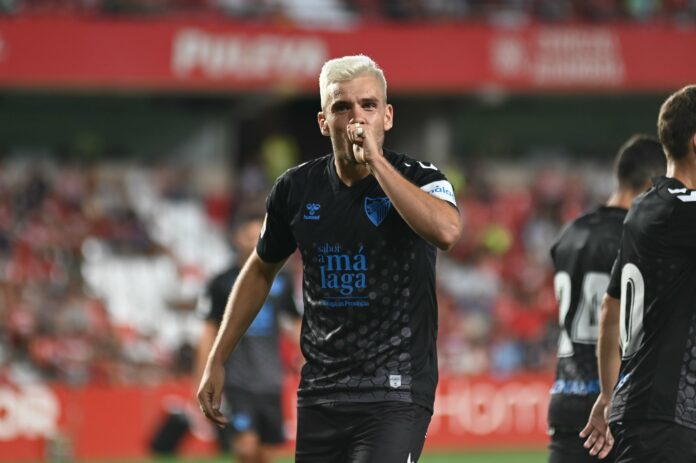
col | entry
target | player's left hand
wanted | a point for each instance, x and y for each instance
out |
(599, 439)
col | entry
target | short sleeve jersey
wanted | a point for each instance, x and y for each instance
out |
(655, 278)
(370, 320)
(582, 256)
(255, 364)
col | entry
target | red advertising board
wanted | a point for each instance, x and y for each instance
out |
(487, 412)
(119, 422)
(219, 55)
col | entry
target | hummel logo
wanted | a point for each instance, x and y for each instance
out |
(312, 208)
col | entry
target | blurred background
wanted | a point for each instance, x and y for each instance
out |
(131, 131)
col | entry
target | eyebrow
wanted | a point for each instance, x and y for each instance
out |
(339, 103)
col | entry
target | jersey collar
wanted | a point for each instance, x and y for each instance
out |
(338, 185)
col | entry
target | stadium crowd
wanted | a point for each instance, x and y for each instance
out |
(100, 267)
(87, 293)
(345, 12)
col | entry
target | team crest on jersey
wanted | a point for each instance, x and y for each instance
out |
(312, 209)
(377, 209)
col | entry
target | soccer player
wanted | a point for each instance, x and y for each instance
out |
(651, 306)
(367, 222)
(253, 372)
(582, 257)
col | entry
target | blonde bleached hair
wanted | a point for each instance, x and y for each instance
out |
(347, 68)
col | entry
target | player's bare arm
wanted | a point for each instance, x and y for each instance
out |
(246, 298)
(432, 218)
(205, 345)
(599, 439)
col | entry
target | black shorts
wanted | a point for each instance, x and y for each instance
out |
(378, 432)
(567, 447)
(258, 413)
(653, 442)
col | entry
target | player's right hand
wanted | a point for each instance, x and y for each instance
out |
(599, 439)
(210, 393)
(364, 143)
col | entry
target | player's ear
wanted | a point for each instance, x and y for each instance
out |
(388, 117)
(323, 124)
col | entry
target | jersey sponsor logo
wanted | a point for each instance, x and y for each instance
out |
(395, 381)
(377, 209)
(312, 209)
(442, 189)
(343, 272)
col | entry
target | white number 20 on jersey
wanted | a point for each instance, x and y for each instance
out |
(585, 323)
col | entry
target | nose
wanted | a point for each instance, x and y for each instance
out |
(358, 115)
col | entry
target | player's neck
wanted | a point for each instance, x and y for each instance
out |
(683, 170)
(621, 198)
(348, 171)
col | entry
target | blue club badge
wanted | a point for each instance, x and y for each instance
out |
(377, 209)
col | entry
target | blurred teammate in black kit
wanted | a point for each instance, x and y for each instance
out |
(650, 306)
(367, 222)
(583, 256)
(254, 374)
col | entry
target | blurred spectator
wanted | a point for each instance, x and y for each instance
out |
(342, 13)
(128, 321)
(99, 266)
(494, 285)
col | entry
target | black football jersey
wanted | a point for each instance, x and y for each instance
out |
(582, 256)
(655, 278)
(255, 364)
(370, 320)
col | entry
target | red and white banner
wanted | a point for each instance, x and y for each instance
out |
(219, 55)
(487, 412)
(119, 422)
